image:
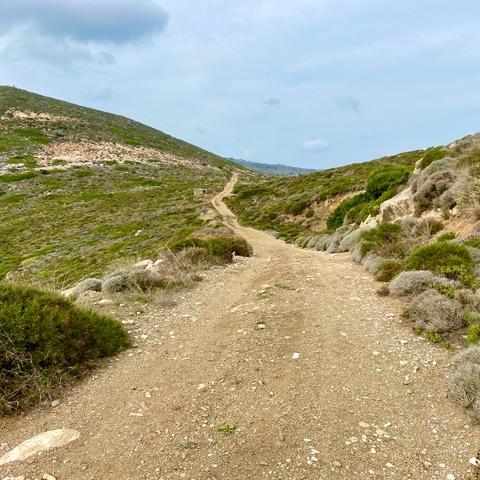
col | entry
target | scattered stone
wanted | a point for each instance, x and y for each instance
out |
(105, 301)
(143, 264)
(450, 476)
(364, 425)
(295, 356)
(337, 464)
(88, 285)
(39, 443)
(475, 462)
(47, 476)
(55, 403)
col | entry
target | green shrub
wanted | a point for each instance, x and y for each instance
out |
(17, 177)
(472, 242)
(388, 269)
(445, 289)
(220, 249)
(445, 237)
(385, 234)
(45, 341)
(473, 333)
(382, 185)
(445, 258)
(28, 161)
(461, 273)
(335, 219)
(432, 154)
(385, 178)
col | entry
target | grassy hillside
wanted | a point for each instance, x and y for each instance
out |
(66, 222)
(20, 136)
(292, 206)
(275, 170)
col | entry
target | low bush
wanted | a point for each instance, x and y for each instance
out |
(383, 239)
(473, 336)
(444, 258)
(444, 289)
(385, 178)
(414, 282)
(434, 312)
(45, 341)
(464, 383)
(445, 237)
(469, 299)
(433, 154)
(350, 240)
(388, 269)
(382, 184)
(220, 248)
(335, 219)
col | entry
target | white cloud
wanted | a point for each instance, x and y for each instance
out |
(314, 145)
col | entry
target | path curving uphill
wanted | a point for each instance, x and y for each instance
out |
(284, 366)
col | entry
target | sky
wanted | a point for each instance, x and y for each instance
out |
(312, 83)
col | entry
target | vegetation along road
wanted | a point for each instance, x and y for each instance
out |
(286, 365)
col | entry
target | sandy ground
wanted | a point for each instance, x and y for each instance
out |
(293, 350)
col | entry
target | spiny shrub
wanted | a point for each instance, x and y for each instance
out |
(45, 341)
(433, 312)
(388, 269)
(414, 282)
(464, 383)
(386, 177)
(445, 258)
(432, 154)
(385, 236)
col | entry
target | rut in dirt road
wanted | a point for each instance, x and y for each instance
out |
(282, 366)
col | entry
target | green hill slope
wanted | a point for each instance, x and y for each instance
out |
(68, 217)
(71, 122)
(293, 206)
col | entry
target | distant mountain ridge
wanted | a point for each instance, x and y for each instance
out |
(276, 170)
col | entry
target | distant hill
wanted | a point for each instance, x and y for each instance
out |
(276, 170)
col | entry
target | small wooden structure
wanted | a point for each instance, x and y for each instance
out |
(198, 192)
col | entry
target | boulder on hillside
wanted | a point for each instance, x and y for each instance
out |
(88, 285)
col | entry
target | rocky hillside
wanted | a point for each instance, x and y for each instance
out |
(82, 189)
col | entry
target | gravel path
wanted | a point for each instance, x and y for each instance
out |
(307, 372)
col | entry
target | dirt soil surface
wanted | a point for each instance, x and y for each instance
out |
(291, 354)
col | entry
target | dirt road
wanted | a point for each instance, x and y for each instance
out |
(291, 354)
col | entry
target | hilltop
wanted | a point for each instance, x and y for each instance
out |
(275, 170)
(82, 190)
(46, 127)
